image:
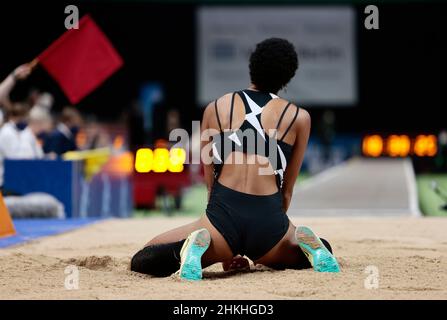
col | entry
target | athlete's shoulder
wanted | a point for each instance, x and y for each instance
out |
(284, 101)
(302, 114)
(303, 118)
(226, 96)
(210, 109)
(219, 99)
(220, 103)
(292, 106)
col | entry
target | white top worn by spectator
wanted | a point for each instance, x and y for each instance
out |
(17, 144)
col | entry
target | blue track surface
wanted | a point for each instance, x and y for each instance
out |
(30, 229)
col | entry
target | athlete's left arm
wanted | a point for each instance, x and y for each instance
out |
(302, 130)
(205, 142)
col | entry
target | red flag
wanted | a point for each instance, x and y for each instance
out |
(81, 59)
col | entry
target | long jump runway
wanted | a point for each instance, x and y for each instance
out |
(359, 187)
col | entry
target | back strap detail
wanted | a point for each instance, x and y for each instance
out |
(282, 115)
(217, 114)
(231, 110)
(291, 123)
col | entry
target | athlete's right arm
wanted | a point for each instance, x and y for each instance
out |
(205, 140)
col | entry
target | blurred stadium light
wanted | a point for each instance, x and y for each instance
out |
(160, 160)
(399, 146)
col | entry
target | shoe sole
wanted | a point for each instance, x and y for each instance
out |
(191, 254)
(319, 256)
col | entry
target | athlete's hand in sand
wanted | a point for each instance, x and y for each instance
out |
(237, 263)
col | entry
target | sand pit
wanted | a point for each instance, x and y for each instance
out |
(410, 254)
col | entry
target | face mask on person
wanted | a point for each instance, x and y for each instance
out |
(74, 130)
(21, 125)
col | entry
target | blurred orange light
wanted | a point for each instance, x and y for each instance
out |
(121, 164)
(144, 160)
(118, 142)
(426, 145)
(124, 163)
(372, 146)
(398, 146)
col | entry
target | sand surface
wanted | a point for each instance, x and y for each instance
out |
(410, 254)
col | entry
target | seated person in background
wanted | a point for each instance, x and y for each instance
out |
(63, 138)
(17, 140)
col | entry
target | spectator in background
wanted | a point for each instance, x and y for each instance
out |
(63, 138)
(41, 101)
(41, 123)
(41, 120)
(17, 141)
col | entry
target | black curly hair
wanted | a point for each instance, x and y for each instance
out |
(272, 64)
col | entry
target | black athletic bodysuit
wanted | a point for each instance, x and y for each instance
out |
(251, 224)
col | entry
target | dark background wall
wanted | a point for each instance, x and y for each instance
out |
(401, 66)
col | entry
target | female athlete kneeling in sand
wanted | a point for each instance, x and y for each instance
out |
(258, 142)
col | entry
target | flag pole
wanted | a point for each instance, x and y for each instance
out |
(33, 64)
